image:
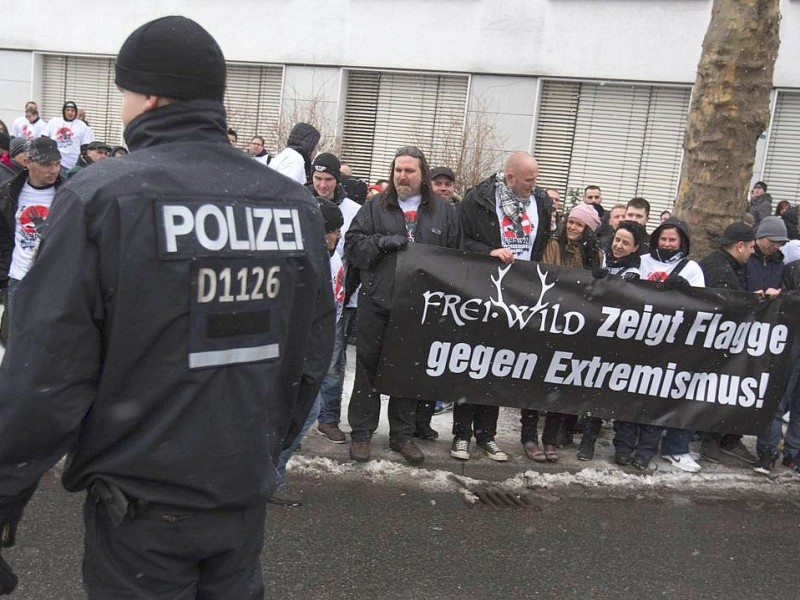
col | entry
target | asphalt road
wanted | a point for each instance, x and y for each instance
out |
(357, 536)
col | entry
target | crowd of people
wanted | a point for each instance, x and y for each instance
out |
(179, 317)
(507, 216)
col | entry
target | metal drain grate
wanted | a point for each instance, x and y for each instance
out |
(495, 498)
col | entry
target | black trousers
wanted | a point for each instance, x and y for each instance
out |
(475, 419)
(364, 411)
(174, 554)
(529, 419)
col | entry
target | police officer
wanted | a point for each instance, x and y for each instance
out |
(177, 323)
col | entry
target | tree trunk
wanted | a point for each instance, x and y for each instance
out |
(728, 112)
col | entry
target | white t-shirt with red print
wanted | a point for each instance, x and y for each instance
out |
(337, 278)
(32, 210)
(410, 207)
(518, 238)
(69, 135)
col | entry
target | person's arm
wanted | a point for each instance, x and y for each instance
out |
(468, 214)
(319, 347)
(361, 242)
(49, 374)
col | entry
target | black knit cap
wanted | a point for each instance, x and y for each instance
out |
(331, 215)
(173, 57)
(328, 163)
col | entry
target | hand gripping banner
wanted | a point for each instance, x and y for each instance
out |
(466, 328)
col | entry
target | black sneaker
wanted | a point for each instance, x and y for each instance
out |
(622, 458)
(766, 461)
(586, 448)
(425, 432)
(640, 464)
(709, 450)
(492, 450)
(740, 452)
(460, 449)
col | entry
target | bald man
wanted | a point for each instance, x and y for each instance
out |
(508, 217)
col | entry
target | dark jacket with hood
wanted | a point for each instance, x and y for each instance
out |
(481, 228)
(185, 325)
(437, 224)
(764, 272)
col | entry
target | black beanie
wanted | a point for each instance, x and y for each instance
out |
(327, 163)
(173, 57)
(331, 214)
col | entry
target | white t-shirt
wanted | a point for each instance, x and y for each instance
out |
(337, 278)
(69, 135)
(520, 239)
(32, 210)
(652, 269)
(23, 128)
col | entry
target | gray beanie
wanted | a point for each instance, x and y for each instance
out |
(773, 228)
(16, 146)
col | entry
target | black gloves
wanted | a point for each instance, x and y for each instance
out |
(8, 581)
(631, 276)
(677, 283)
(599, 272)
(392, 243)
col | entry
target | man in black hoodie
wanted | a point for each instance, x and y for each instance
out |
(178, 320)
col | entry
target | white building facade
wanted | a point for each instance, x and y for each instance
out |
(598, 91)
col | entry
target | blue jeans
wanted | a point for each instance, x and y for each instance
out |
(331, 389)
(676, 441)
(767, 443)
(283, 459)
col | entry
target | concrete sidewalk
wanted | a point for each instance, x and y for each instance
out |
(437, 453)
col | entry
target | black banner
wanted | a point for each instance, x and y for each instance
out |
(465, 327)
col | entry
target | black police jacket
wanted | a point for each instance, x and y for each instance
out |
(173, 331)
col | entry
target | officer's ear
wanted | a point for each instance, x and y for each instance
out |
(152, 102)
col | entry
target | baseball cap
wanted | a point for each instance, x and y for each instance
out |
(42, 150)
(439, 171)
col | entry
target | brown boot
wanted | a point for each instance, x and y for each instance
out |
(332, 432)
(409, 450)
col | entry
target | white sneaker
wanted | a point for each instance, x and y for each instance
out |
(460, 449)
(684, 462)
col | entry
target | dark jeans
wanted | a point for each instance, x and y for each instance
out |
(425, 410)
(331, 389)
(477, 419)
(176, 554)
(365, 402)
(529, 419)
(639, 440)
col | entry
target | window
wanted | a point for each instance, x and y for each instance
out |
(628, 139)
(252, 97)
(385, 111)
(782, 163)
